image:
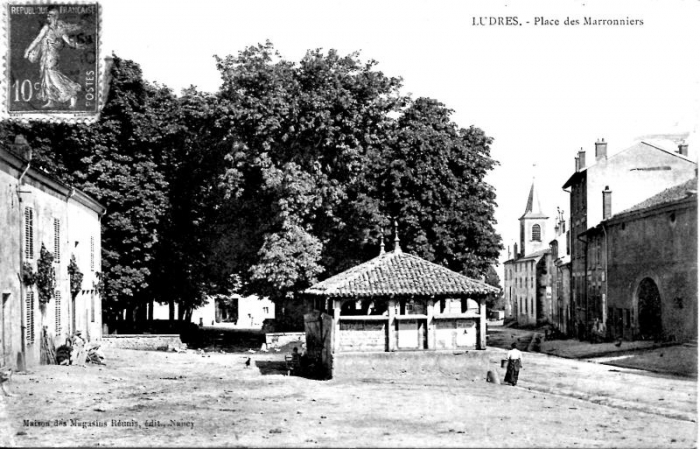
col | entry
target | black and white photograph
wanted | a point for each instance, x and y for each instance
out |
(313, 224)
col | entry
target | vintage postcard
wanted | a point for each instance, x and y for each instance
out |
(52, 60)
(357, 223)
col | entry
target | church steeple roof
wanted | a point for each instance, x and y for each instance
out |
(533, 209)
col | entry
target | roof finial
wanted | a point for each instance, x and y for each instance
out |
(381, 243)
(397, 247)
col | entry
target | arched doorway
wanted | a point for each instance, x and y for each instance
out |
(649, 302)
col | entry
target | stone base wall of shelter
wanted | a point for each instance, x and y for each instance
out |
(154, 342)
(362, 336)
(465, 366)
(278, 339)
(455, 334)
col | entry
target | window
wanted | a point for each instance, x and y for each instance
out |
(29, 331)
(28, 233)
(266, 310)
(56, 240)
(678, 302)
(58, 312)
(92, 254)
(536, 233)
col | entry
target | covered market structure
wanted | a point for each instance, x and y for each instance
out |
(398, 301)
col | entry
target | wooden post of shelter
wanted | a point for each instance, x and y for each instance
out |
(336, 324)
(430, 324)
(481, 344)
(391, 325)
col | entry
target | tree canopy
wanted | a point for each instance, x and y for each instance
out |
(290, 173)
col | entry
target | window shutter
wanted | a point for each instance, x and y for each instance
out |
(58, 312)
(28, 233)
(56, 240)
(29, 332)
(92, 253)
(536, 233)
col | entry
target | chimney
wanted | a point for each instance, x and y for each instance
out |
(601, 150)
(607, 203)
(22, 145)
(515, 251)
(581, 159)
(576, 163)
(683, 148)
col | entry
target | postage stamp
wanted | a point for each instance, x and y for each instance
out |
(52, 63)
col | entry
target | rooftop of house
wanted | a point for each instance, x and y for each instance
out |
(675, 193)
(532, 256)
(19, 156)
(665, 144)
(400, 274)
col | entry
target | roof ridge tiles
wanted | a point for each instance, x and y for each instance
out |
(398, 273)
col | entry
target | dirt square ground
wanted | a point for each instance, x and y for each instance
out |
(146, 398)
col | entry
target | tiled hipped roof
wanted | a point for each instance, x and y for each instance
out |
(398, 273)
(675, 193)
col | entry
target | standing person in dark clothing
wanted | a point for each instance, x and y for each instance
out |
(515, 363)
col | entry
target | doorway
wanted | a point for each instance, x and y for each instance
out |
(649, 302)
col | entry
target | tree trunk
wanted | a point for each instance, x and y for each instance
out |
(180, 312)
(171, 310)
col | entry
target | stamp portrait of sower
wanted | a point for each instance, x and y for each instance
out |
(52, 61)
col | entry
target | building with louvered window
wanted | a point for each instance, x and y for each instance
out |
(39, 211)
(527, 283)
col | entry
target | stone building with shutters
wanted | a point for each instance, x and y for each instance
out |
(400, 302)
(650, 270)
(559, 270)
(599, 190)
(38, 210)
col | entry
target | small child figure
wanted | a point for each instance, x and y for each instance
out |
(296, 360)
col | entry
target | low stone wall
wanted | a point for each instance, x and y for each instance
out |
(146, 342)
(362, 336)
(467, 366)
(278, 339)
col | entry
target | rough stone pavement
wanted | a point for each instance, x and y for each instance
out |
(671, 396)
(6, 432)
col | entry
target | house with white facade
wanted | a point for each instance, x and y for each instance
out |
(38, 211)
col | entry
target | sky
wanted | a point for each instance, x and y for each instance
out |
(541, 91)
